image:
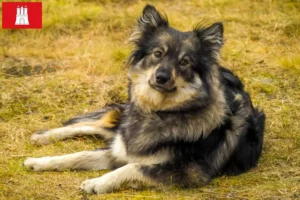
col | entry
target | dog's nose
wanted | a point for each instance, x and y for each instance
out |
(162, 77)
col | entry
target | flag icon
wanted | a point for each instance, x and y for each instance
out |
(21, 15)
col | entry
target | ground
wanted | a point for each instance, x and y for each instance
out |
(76, 62)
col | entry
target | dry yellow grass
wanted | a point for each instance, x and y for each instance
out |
(75, 64)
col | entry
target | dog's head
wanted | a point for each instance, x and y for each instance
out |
(170, 69)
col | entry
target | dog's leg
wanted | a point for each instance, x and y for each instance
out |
(84, 128)
(149, 175)
(85, 160)
(103, 127)
(128, 174)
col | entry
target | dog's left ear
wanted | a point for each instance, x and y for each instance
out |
(148, 22)
(212, 35)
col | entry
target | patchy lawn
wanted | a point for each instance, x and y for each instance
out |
(76, 64)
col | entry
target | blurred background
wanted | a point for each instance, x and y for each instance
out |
(75, 64)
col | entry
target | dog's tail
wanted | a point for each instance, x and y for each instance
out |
(255, 133)
(111, 113)
(250, 145)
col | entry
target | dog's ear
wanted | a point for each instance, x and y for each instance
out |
(151, 18)
(212, 35)
(148, 22)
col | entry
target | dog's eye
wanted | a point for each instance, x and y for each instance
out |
(184, 62)
(158, 54)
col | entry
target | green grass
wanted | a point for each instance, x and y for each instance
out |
(75, 64)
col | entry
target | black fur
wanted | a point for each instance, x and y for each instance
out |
(249, 149)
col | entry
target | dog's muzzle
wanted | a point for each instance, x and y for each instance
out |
(162, 81)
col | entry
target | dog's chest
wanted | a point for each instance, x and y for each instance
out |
(145, 134)
(120, 153)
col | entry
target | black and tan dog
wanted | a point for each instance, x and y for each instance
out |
(187, 119)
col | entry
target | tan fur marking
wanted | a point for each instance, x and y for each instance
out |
(174, 74)
(110, 118)
(149, 99)
(164, 38)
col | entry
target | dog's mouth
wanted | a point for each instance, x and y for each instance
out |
(163, 89)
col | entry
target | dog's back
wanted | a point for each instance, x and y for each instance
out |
(249, 147)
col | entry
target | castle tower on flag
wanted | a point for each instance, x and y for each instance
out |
(22, 16)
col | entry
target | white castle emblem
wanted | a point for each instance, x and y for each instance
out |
(22, 16)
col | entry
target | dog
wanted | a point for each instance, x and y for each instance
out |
(187, 119)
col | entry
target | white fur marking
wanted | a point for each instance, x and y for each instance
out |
(113, 180)
(119, 152)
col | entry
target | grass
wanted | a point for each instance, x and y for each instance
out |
(76, 64)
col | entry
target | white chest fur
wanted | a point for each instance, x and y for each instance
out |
(118, 150)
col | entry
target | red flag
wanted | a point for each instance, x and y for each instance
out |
(22, 15)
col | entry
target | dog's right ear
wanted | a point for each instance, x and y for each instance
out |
(151, 19)
(148, 22)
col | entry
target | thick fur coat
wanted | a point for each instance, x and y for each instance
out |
(187, 119)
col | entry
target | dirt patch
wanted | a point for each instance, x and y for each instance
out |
(14, 67)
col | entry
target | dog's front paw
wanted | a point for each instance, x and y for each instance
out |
(96, 185)
(37, 164)
(40, 138)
